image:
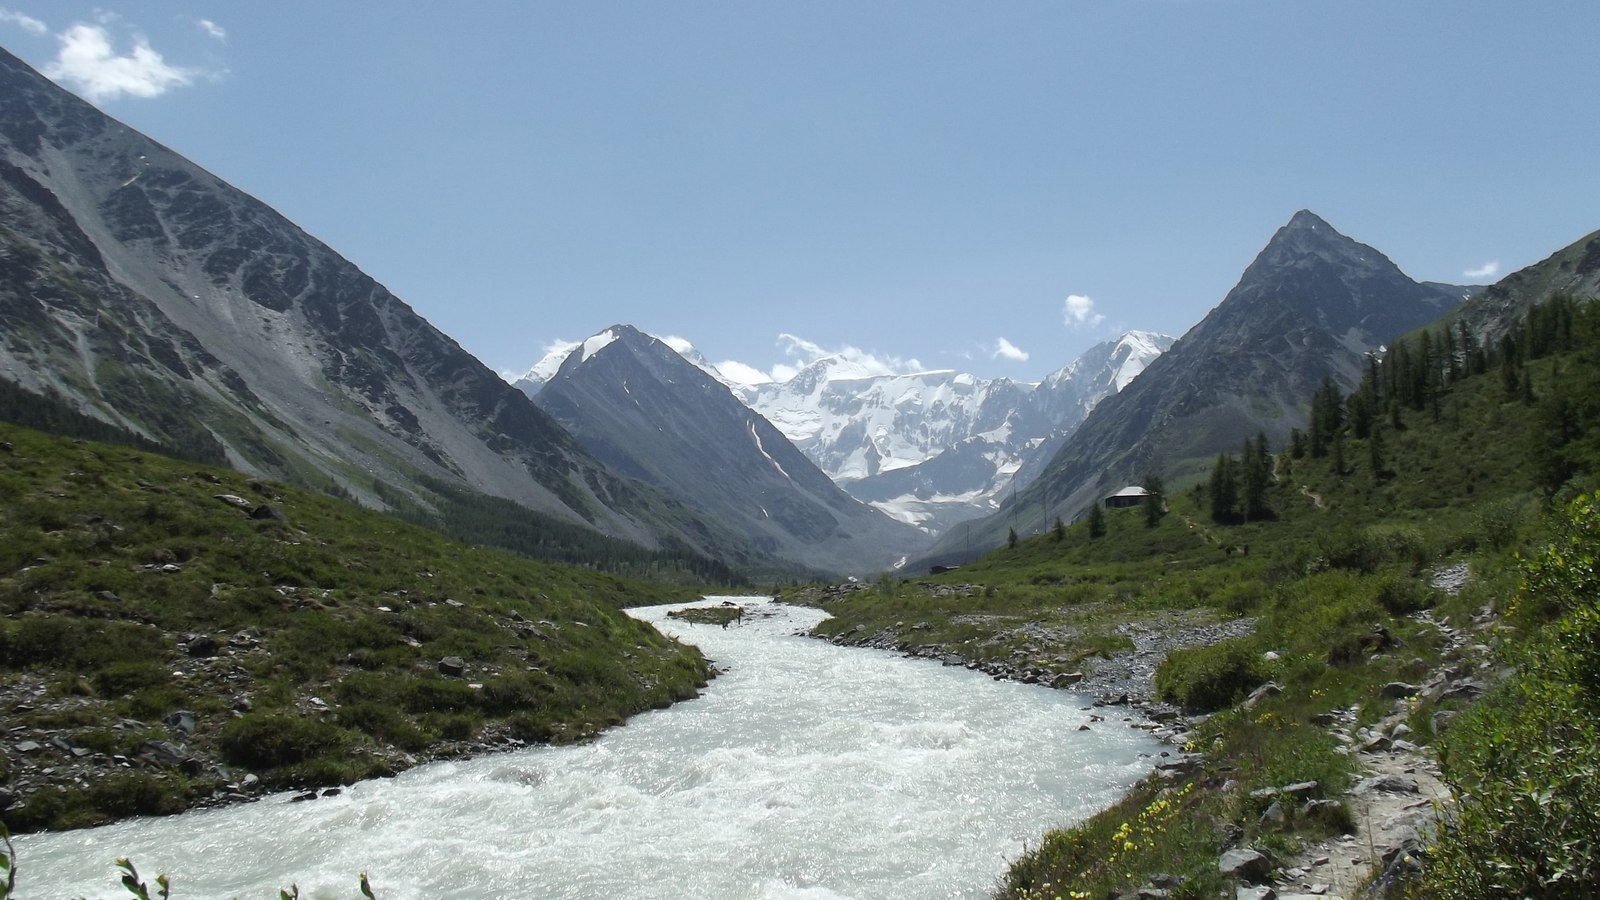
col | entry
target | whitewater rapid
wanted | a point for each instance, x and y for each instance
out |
(805, 771)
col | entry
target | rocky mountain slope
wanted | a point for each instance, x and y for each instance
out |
(1573, 270)
(649, 413)
(141, 289)
(1312, 305)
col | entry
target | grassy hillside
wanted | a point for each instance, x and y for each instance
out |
(175, 634)
(1343, 583)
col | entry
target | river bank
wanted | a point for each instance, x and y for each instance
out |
(805, 770)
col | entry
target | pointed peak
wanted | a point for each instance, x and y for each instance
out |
(1305, 218)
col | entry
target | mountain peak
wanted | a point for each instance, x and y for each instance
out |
(1305, 218)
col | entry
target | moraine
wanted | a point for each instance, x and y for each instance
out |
(805, 771)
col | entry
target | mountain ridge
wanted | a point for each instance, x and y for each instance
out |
(146, 291)
(1310, 305)
(645, 410)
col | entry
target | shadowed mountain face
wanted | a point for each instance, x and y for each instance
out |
(1311, 305)
(647, 412)
(145, 291)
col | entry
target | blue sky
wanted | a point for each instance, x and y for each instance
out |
(919, 181)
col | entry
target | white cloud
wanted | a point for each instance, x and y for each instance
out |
(1487, 270)
(680, 346)
(212, 29)
(848, 361)
(1008, 350)
(24, 21)
(739, 373)
(1079, 311)
(862, 361)
(89, 63)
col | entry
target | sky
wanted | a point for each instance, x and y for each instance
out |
(990, 187)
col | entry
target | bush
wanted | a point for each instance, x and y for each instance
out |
(271, 740)
(1205, 679)
(1524, 764)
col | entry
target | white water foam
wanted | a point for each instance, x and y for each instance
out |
(807, 771)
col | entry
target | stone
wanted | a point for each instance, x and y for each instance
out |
(1270, 689)
(452, 667)
(1274, 817)
(1392, 784)
(267, 512)
(1246, 865)
(164, 753)
(1302, 789)
(1066, 679)
(235, 501)
(1327, 812)
(201, 646)
(29, 747)
(1255, 892)
(181, 721)
(1396, 690)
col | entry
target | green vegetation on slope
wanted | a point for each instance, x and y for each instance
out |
(1444, 460)
(168, 629)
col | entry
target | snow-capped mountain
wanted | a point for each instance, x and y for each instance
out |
(935, 448)
(928, 448)
(642, 407)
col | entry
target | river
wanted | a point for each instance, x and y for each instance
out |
(805, 771)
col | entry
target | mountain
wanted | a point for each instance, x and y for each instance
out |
(1573, 270)
(935, 448)
(140, 289)
(1312, 305)
(646, 411)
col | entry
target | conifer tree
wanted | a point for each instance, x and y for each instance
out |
(1155, 504)
(1224, 489)
(1256, 473)
(1375, 454)
(1097, 521)
(1059, 532)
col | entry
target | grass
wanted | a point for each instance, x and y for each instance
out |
(114, 561)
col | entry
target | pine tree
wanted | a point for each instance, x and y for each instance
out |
(1224, 489)
(1256, 472)
(1155, 504)
(1375, 454)
(1059, 532)
(1097, 521)
(1011, 539)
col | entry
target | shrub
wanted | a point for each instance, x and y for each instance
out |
(1524, 764)
(271, 740)
(1205, 679)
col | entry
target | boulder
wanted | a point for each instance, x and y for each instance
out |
(1249, 866)
(182, 721)
(452, 667)
(1391, 784)
(1396, 690)
(201, 646)
(268, 512)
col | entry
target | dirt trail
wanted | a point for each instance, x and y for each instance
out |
(1400, 793)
